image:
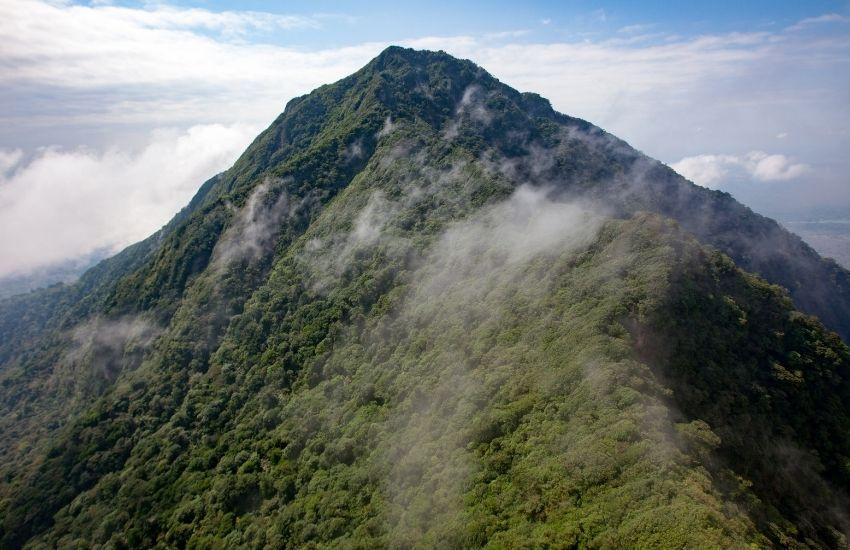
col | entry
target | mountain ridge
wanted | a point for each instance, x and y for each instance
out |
(268, 295)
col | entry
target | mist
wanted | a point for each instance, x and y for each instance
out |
(103, 348)
(251, 232)
(476, 267)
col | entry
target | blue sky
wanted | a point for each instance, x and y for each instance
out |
(113, 113)
(348, 23)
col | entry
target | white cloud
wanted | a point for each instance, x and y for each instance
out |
(632, 29)
(9, 158)
(712, 170)
(229, 23)
(705, 170)
(123, 64)
(765, 167)
(586, 78)
(64, 204)
(819, 20)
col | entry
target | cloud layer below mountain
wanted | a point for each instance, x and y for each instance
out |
(65, 203)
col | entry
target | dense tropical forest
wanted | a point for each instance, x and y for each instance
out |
(426, 310)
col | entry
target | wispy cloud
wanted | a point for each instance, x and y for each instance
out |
(633, 29)
(230, 23)
(253, 228)
(819, 20)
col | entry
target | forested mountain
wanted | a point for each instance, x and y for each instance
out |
(426, 310)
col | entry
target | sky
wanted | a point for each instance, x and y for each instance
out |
(112, 114)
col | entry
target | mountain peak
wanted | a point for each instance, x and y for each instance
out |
(411, 56)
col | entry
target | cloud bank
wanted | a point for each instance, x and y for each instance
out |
(63, 204)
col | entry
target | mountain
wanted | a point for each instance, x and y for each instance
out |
(424, 309)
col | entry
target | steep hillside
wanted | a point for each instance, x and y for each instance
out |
(425, 309)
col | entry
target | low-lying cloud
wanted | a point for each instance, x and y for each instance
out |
(505, 236)
(327, 258)
(255, 225)
(107, 347)
(62, 204)
(470, 108)
(474, 268)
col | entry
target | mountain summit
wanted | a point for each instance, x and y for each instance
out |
(425, 309)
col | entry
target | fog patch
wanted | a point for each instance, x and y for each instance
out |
(798, 472)
(470, 108)
(508, 235)
(103, 348)
(399, 151)
(532, 166)
(472, 105)
(327, 258)
(464, 281)
(424, 91)
(388, 128)
(354, 151)
(555, 162)
(253, 228)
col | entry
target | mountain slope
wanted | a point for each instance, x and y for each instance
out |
(425, 308)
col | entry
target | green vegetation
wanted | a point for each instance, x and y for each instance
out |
(424, 309)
